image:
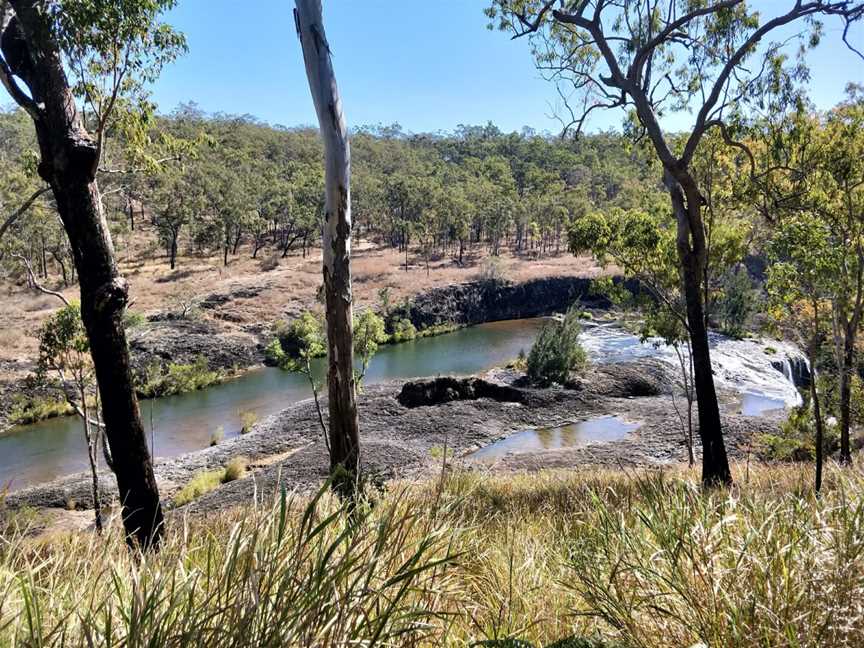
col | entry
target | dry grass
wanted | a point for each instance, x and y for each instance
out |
(290, 287)
(642, 560)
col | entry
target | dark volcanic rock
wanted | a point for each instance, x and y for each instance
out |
(647, 377)
(183, 341)
(446, 389)
(477, 302)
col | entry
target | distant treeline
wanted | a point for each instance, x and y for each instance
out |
(234, 185)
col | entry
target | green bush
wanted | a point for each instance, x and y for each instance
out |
(133, 319)
(403, 331)
(304, 335)
(557, 351)
(30, 409)
(201, 484)
(234, 469)
(177, 378)
(248, 419)
(797, 438)
(737, 302)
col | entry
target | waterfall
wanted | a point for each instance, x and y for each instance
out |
(787, 370)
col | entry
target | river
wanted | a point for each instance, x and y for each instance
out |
(30, 454)
(176, 424)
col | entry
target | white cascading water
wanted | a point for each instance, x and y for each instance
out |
(744, 366)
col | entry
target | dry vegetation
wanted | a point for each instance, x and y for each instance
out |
(288, 288)
(642, 560)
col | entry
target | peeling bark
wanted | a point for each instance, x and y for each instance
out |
(344, 424)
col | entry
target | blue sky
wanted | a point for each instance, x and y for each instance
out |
(426, 64)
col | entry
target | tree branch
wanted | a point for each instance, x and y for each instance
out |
(35, 283)
(7, 78)
(14, 216)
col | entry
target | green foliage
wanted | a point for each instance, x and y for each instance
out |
(235, 469)
(298, 341)
(737, 302)
(248, 419)
(557, 351)
(403, 331)
(30, 409)
(368, 334)
(133, 320)
(796, 440)
(63, 342)
(201, 484)
(273, 352)
(177, 378)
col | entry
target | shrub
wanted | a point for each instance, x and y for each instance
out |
(797, 438)
(201, 484)
(248, 419)
(235, 469)
(269, 263)
(133, 319)
(491, 271)
(738, 301)
(557, 351)
(216, 436)
(30, 409)
(303, 336)
(176, 378)
(404, 331)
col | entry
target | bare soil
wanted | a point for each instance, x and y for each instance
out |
(243, 299)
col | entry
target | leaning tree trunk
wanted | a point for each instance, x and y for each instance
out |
(847, 367)
(69, 159)
(336, 244)
(692, 255)
(817, 417)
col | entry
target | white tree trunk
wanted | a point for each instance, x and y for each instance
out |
(344, 426)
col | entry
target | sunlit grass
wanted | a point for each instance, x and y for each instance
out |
(643, 559)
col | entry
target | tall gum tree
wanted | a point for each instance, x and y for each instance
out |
(650, 58)
(344, 425)
(36, 39)
(816, 164)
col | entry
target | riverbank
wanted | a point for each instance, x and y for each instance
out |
(203, 348)
(403, 438)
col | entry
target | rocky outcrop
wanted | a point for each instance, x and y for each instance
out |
(445, 389)
(478, 302)
(184, 341)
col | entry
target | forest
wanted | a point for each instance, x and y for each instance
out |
(316, 385)
(229, 185)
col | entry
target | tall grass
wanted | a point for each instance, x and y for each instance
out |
(594, 559)
(281, 576)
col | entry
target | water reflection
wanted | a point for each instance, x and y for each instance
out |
(177, 424)
(601, 429)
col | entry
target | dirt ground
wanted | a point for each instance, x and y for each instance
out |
(287, 289)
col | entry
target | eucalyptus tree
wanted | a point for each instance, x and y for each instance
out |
(344, 433)
(176, 200)
(43, 44)
(658, 57)
(805, 273)
(816, 170)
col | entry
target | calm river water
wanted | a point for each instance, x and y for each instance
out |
(177, 424)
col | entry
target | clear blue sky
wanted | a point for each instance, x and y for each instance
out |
(427, 64)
